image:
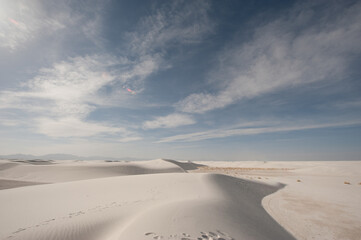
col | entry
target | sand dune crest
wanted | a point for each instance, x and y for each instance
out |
(166, 206)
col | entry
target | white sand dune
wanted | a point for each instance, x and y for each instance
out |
(184, 200)
(148, 206)
(321, 200)
(61, 171)
(168, 206)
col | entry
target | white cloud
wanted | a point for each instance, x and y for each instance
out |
(173, 22)
(73, 127)
(130, 139)
(203, 102)
(67, 91)
(66, 88)
(140, 69)
(170, 121)
(64, 94)
(9, 121)
(244, 131)
(22, 21)
(302, 46)
(72, 87)
(356, 104)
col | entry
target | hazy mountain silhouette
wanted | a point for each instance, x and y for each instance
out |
(60, 156)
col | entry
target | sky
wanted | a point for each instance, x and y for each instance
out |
(187, 80)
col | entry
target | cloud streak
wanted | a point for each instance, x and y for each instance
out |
(63, 94)
(303, 46)
(66, 88)
(172, 23)
(170, 121)
(229, 132)
(73, 127)
(21, 22)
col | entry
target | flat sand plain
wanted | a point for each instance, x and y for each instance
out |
(166, 199)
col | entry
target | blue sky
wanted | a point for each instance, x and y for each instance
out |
(188, 80)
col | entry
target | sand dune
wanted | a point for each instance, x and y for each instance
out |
(320, 200)
(61, 171)
(120, 200)
(171, 206)
(7, 184)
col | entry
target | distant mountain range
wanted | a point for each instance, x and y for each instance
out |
(64, 157)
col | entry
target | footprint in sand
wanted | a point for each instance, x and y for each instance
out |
(217, 235)
(19, 230)
(153, 235)
(149, 233)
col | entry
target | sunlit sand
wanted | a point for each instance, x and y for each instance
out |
(166, 199)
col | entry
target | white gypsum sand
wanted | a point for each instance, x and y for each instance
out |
(105, 200)
(321, 200)
(63, 171)
(174, 205)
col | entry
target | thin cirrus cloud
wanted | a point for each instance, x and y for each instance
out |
(66, 88)
(73, 127)
(66, 127)
(112, 72)
(63, 94)
(129, 139)
(169, 121)
(173, 23)
(22, 21)
(255, 130)
(302, 46)
(68, 91)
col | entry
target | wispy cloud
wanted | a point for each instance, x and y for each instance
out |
(63, 94)
(22, 21)
(348, 105)
(170, 121)
(73, 127)
(71, 86)
(129, 139)
(9, 119)
(303, 46)
(67, 88)
(244, 131)
(172, 23)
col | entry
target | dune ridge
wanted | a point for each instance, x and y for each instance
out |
(185, 203)
(61, 171)
(167, 199)
(174, 205)
(320, 199)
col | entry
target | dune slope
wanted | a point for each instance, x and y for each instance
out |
(158, 206)
(63, 171)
